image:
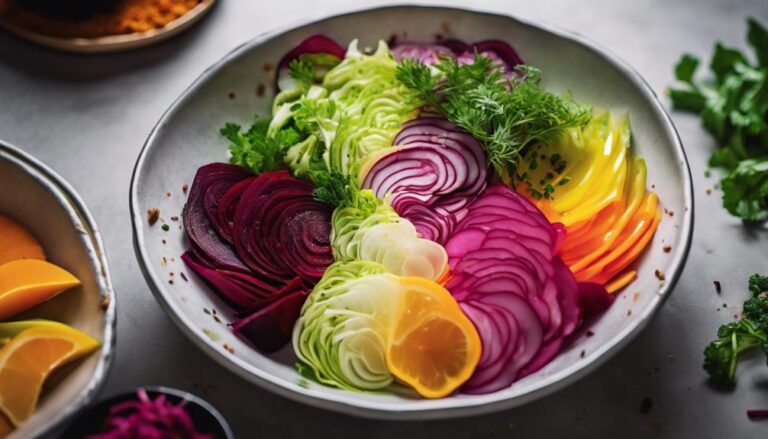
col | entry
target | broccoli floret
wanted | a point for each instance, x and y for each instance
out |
(722, 355)
(756, 310)
(758, 284)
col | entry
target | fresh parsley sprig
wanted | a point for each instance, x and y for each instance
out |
(506, 115)
(734, 109)
(256, 150)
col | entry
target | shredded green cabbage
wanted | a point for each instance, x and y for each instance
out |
(357, 110)
(371, 230)
(341, 335)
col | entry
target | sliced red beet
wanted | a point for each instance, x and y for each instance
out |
(281, 237)
(281, 231)
(224, 217)
(593, 299)
(270, 328)
(215, 178)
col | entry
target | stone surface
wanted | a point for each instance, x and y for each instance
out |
(88, 116)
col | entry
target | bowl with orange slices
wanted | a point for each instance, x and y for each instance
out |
(57, 310)
(413, 212)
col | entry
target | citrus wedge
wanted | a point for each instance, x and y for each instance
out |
(25, 283)
(29, 357)
(17, 243)
(433, 346)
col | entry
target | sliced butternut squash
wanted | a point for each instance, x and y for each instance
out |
(26, 283)
(16, 242)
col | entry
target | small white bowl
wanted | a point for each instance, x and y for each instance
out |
(187, 137)
(34, 196)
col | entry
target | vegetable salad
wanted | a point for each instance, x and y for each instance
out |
(421, 215)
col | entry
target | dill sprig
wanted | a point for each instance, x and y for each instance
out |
(506, 115)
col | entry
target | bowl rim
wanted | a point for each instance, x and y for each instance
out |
(432, 409)
(92, 240)
(165, 390)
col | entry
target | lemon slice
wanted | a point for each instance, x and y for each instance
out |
(434, 347)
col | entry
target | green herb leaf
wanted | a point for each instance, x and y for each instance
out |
(724, 60)
(686, 68)
(745, 190)
(302, 71)
(757, 35)
(256, 150)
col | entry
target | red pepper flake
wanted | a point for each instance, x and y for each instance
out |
(718, 287)
(168, 194)
(671, 213)
(185, 188)
(153, 215)
(589, 333)
(170, 274)
(104, 302)
(163, 261)
(757, 414)
(268, 67)
(174, 218)
(667, 248)
(231, 95)
(229, 348)
(184, 276)
(635, 296)
(646, 405)
(659, 274)
(260, 89)
(629, 312)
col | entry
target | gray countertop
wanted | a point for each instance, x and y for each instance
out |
(88, 116)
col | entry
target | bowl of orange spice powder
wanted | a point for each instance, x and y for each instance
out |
(93, 26)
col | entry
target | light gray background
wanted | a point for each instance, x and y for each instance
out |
(88, 116)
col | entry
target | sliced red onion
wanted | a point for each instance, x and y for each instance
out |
(431, 176)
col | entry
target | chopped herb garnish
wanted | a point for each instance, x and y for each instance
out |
(506, 115)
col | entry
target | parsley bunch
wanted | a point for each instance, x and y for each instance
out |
(506, 115)
(734, 109)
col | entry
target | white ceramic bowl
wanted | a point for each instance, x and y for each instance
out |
(186, 137)
(37, 198)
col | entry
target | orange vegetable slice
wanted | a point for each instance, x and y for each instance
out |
(16, 242)
(25, 283)
(433, 346)
(29, 357)
(6, 428)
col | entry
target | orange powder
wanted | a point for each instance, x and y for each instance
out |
(129, 16)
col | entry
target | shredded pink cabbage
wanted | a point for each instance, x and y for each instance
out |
(146, 418)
